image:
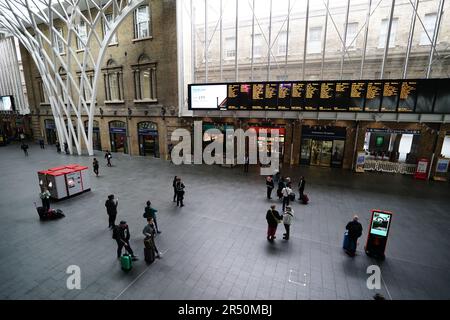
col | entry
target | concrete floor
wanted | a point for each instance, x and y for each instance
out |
(215, 247)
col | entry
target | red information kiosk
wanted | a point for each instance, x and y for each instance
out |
(65, 181)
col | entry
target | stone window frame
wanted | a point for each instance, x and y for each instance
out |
(113, 70)
(145, 63)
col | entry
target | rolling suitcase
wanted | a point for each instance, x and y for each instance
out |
(305, 199)
(345, 244)
(149, 255)
(125, 262)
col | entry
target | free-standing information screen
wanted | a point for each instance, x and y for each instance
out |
(380, 223)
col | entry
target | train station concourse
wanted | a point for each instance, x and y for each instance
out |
(225, 150)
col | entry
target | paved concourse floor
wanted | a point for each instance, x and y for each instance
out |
(215, 247)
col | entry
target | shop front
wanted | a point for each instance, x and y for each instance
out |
(323, 146)
(96, 141)
(208, 137)
(148, 139)
(50, 131)
(265, 143)
(118, 136)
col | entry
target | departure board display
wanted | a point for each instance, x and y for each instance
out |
(298, 96)
(373, 96)
(390, 96)
(384, 96)
(357, 94)
(271, 96)
(326, 96)
(284, 96)
(408, 96)
(442, 102)
(312, 96)
(233, 97)
(426, 94)
(258, 96)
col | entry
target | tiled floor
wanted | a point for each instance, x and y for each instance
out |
(215, 247)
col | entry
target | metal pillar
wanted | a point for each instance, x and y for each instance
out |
(344, 42)
(435, 36)
(366, 33)
(306, 39)
(388, 38)
(270, 42)
(324, 42)
(410, 38)
(253, 39)
(206, 41)
(287, 37)
(236, 74)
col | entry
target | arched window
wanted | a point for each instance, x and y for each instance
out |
(145, 79)
(113, 81)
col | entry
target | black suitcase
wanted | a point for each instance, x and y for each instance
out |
(42, 213)
(149, 255)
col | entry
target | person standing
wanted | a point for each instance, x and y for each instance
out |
(273, 219)
(45, 197)
(111, 210)
(95, 166)
(58, 147)
(108, 157)
(150, 212)
(270, 185)
(288, 216)
(24, 147)
(180, 192)
(286, 192)
(281, 186)
(301, 187)
(121, 234)
(354, 232)
(149, 233)
(66, 147)
(246, 164)
(41, 143)
(174, 185)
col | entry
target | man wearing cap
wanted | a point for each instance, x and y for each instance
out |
(111, 210)
(121, 234)
(354, 232)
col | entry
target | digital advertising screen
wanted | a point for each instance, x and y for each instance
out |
(390, 98)
(408, 96)
(6, 103)
(207, 97)
(380, 223)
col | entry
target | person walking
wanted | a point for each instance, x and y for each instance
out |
(95, 166)
(246, 164)
(288, 216)
(45, 197)
(58, 147)
(174, 185)
(66, 148)
(273, 219)
(121, 234)
(301, 187)
(286, 192)
(180, 192)
(149, 233)
(111, 210)
(354, 232)
(108, 157)
(150, 212)
(270, 185)
(24, 147)
(41, 143)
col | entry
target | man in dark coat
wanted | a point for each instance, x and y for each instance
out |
(180, 192)
(273, 218)
(270, 185)
(354, 232)
(301, 187)
(111, 210)
(121, 234)
(150, 212)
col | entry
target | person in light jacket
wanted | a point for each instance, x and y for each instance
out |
(288, 216)
(286, 192)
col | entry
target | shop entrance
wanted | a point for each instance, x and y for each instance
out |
(118, 136)
(50, 131)
(322, 147)
(148, 139)
(269, 140)
(96, 141)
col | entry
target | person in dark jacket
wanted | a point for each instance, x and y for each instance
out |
(273, 218)
(270, 185)
(174, 185)
(41, 143)
(121, 234)
(108, 157)
(66, 148)
(111, 210)
(354, 232)
(58, 147)
(180, 192)
(24, 147)
(281, 186)
(301, 187)
(95, 166)
(149, 233)
(150, 212)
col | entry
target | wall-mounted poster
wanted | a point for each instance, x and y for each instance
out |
(360, 160)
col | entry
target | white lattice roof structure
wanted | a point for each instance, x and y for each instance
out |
(33, 23)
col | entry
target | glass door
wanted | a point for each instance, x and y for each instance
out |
(305, 151)
(316, 149)
(325, 153)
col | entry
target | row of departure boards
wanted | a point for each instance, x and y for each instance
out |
(403, 96)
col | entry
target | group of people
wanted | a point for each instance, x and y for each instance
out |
(273, 218)
(95, 163)
(121, 232)
(178, 191)
(284, 188)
